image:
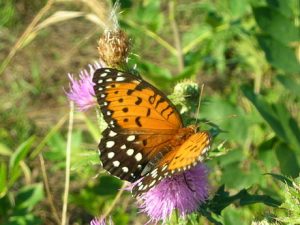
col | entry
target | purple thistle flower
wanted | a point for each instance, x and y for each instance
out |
(101, 221)
(183, 192)
(81, 91)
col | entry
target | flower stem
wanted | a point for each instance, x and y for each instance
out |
(48, 191)
(176, 217)
(68, 165)
(176, 36)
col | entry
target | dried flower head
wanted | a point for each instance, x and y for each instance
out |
(114, 47)
(114, 44)
(183, 192)
(81, 90)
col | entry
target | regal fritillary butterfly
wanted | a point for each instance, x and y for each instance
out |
(145, 137)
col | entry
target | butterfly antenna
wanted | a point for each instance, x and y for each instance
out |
(199, 103)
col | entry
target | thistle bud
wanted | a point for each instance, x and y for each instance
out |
(114, 47)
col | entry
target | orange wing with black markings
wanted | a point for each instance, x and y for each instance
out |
(129, 102)
(182, 158)
(145, 137)
(140, 121)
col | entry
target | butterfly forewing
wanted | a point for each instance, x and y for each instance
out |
(129, 102)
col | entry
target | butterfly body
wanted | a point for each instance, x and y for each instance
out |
(145, 137)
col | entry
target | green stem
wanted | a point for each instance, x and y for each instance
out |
(176, 35)
(68, 166)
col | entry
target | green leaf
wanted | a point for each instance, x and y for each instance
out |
(27, 219)
(278, 117)
(92, 127)
(160, 76)
(18, 156)
(287, 158)
(233, 215)
(290, 84)
(20, 153)
(222, 199)
(187, 73)
(282, 178)
(279, 55)
(29, 196)
(284, 6)
(235, 177)
(275, 24)
(3, 179)
(238, 7)
(4, 150)
(108, 185)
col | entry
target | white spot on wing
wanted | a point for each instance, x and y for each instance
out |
(116, 163)
(164, 167)
(125, 169)
(110, 144)
(138, 157)
(152, 183)
(109, 79)
(110, 155)
(130, 152)
(131, 138)
(112, 133)
(123, 147)
(120, 79)
(154, 171)
(103, 75)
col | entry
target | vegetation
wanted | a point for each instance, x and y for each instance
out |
(247, 54)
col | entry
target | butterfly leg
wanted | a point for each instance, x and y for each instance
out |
(187, 183)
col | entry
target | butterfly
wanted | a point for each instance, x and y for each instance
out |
(145, 137)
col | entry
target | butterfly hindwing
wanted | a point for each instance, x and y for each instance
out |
(120, 154)
(191, 152)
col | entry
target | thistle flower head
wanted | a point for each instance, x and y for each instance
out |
(183, 192)
(183, 93)
(81, 90)
(101, 221)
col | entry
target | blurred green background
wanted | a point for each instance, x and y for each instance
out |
(247, 54)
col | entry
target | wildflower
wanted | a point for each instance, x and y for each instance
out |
(81, 91)
(183, 192)
(101, 221)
